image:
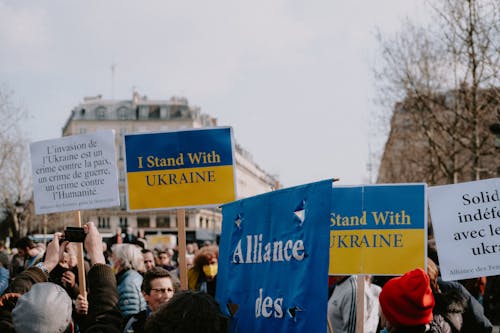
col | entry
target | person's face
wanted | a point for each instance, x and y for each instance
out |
(163, 259)
(162, 290)
(149, 260)
(21, 252)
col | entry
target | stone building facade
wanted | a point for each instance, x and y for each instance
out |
(436, 140)
(141, 114)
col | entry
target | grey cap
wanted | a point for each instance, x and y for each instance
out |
(46, 308)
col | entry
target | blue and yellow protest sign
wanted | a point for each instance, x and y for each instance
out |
(378, 229)
(273, 260)
(188, 168)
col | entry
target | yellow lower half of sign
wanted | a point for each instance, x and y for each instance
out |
(391, 252)
(180, 188)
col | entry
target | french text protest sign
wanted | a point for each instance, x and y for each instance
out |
(378, 229)
(466, 223)
(176, 169)
(75, 173)
(273, 260)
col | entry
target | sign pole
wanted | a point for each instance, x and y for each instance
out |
(181, 237)
(79, 253)
(360, 303)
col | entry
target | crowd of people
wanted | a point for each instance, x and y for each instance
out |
(129, 288)
(132, 288)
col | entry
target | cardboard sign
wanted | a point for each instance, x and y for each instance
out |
(75, 173)
(378, 229)
(273, 260)
(190, 168)
(466, 222)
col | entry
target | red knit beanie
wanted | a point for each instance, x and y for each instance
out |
(407, 300)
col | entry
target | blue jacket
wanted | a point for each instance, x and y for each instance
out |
(131, 300)
(4, 279)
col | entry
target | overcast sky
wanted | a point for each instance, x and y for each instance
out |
(293, 78)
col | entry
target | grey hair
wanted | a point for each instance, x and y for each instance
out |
(130, 256)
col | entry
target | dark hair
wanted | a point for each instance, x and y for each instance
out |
(188, 311)
(157, 273)
(23, 243)
(144, 251)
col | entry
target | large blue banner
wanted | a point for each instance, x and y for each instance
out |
(273, 260)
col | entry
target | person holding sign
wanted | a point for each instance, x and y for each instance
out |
(46, 307)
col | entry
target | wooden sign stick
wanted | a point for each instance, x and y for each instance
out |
(360, 304)
(79, 255)
(181, 238)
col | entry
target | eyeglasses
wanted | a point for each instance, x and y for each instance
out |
(163, 290)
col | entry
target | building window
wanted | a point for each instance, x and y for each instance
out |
(200, 225)
(123, 200)
(83, 130)
(143, 222)
(103, 222)
(123, 223)
(154, 112)
(122, 174)
(120, 152)
(122, 113)
(163, 221)
(100, 113)
(82, 113)
(177, 114)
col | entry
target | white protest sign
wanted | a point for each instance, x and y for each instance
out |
(466, 223)
(75, 173)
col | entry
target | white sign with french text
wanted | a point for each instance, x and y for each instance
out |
(75, 173)
(466, 223)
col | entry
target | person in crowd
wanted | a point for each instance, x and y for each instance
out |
(187, 312)
(454, 293)
(158, 287)
(117, 238)
(65, 273)
(342, 304)
(407, 302)
(128, 263)
(189, 261)
(28, 250)
(39, 306)
(149, 259)
(372, 306)
(141, 239)
(165, 260)
(16, 264)
(190, 249)
(491, 299)
(449, 307)
(203, 275)
(129, 237)
(476, 287)
(4, 272)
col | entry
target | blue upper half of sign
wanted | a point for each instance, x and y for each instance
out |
(273, 260)
(378, 207)
(179, 150)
